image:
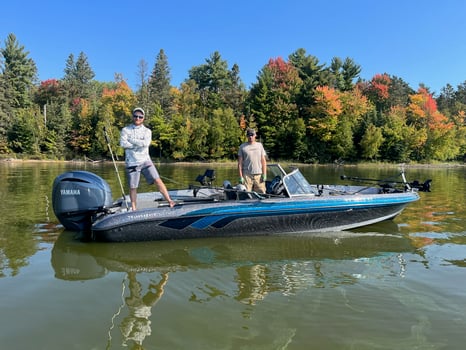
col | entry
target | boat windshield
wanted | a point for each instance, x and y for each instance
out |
(296, 184)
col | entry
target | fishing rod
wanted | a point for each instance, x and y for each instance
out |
(171, 180)
(116, 168)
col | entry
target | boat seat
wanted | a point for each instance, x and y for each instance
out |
(241, 192)
(230, 193)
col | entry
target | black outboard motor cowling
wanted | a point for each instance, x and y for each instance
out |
(77, 196)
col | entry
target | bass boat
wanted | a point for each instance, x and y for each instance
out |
(82, 201)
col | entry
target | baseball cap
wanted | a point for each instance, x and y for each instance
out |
(138, 109)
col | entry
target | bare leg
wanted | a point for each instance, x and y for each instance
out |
(163, 190)
(133, 193)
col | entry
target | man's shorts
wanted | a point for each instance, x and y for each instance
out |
(147, 169)
(253, 182)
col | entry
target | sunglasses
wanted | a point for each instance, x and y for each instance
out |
(138, 116)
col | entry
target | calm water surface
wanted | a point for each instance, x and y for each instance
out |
(395, 285)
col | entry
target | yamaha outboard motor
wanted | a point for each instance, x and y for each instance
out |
(77, 196)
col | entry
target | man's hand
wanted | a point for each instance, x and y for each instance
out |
(135, 142)
(241, 180)
(263, 177)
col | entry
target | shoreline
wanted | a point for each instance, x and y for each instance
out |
(229, 163)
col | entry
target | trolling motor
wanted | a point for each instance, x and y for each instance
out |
(422, 187)
(207, 178)
(204, 180)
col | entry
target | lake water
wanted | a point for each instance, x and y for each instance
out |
(395, 285)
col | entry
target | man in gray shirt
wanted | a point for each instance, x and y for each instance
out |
(252, 165)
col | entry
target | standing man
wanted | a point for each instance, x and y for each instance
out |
(135, 139)
(252, 164)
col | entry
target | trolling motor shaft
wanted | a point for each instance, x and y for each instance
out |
(423, 187)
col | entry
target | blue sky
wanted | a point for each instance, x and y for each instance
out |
(420, 41)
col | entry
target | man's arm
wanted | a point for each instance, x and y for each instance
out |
(124, 139)
(264, 164)
(147, 139)
(240, 166)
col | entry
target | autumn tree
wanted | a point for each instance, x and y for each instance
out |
(390, 96)
(355, 106)
(325, 111)
(303, 110)
(116, 105)
(80, 141)
(436, 133)
(377, 91)
(323, 123)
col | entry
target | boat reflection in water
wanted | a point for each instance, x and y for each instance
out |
(73, 259)
(259, 266)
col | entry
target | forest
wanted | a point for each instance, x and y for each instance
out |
(303, 110)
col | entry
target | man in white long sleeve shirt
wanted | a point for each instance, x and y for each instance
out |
(136, 139)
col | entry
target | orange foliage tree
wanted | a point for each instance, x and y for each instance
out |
(325, 112)
(435, 137)
(113, 114)
(334, 117)
(121, 100)
(377, 90)
(81, 134)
